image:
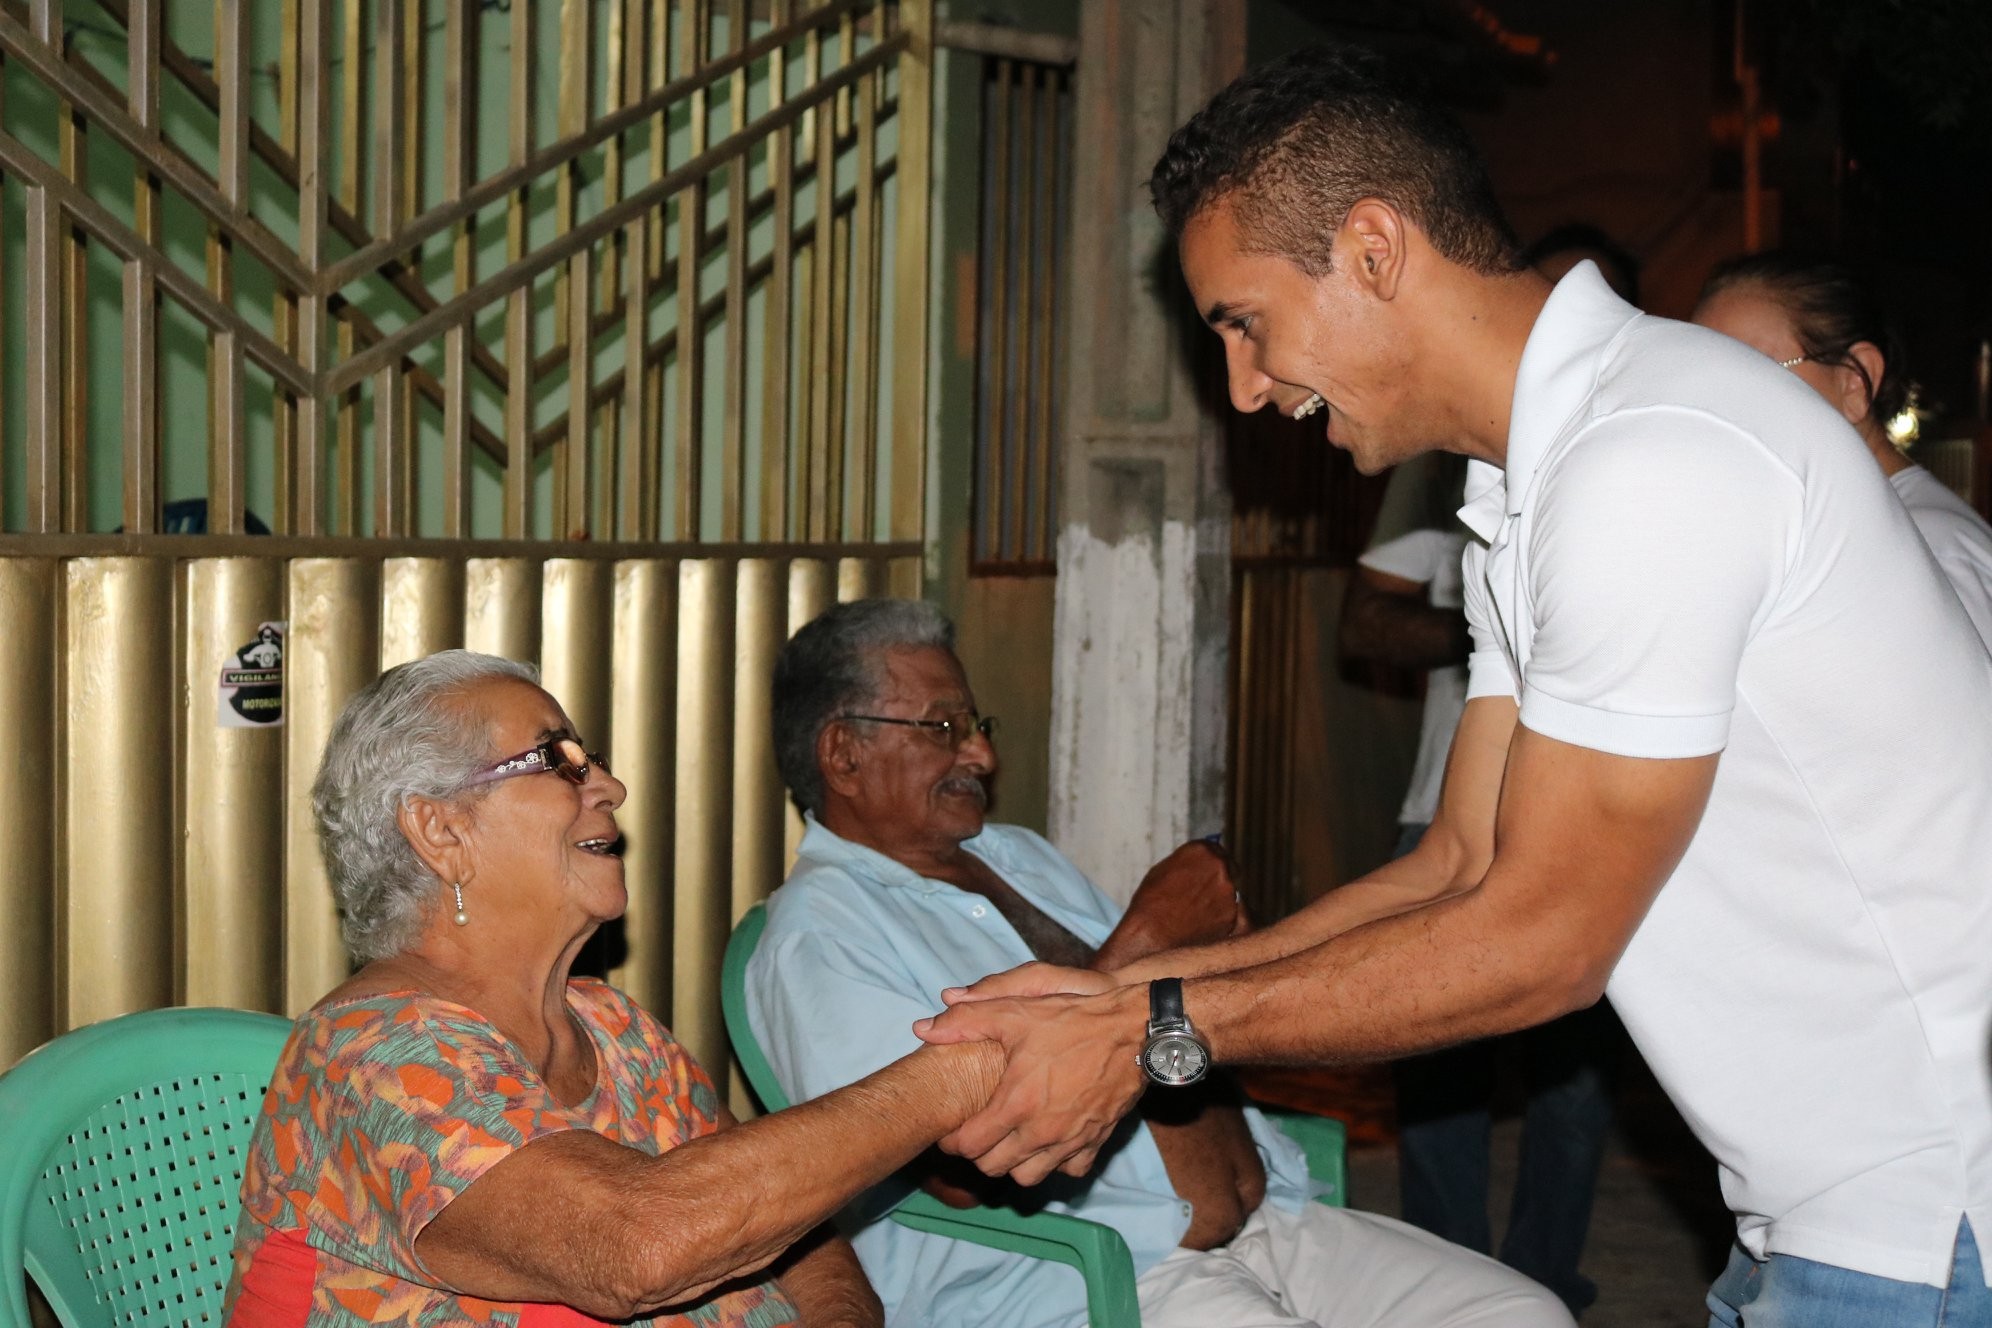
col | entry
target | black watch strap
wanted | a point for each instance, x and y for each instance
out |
(1165, 1002)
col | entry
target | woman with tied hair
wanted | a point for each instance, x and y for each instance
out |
(463, 1133)
(1817, 319)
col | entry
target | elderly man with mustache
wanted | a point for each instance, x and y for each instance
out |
(902, 888)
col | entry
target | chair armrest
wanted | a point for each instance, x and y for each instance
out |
(1325, 1143)
(1097, 1251)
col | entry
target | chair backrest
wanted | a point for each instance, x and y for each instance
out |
(121, 1175)
(733, 1003)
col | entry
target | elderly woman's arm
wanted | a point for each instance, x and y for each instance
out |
(577, 1219)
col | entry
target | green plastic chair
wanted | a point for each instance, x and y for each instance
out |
(1097, 1251)
(121, 1174)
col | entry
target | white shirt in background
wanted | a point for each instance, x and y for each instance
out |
(1430, 558)
(1959, 538)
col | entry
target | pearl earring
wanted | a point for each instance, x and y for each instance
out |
(462, 918)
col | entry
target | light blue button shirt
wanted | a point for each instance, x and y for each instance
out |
(857, 948)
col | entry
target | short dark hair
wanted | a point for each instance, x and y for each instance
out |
(1583, 237)
(1294, 144)
(1831, 309)
(832, 667)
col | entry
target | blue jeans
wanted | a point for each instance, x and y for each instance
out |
(1444, 1118)
(1788, 1292)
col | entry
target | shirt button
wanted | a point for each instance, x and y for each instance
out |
(1186, 1210)
(977, 911)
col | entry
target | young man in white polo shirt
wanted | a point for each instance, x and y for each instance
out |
(1727, 748)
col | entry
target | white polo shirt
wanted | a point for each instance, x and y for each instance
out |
(1958, 538)
(1686, 554)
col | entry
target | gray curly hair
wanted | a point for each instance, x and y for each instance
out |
(832, 667)
(400, 737)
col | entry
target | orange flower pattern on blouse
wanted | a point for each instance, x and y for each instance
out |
(383, 1109)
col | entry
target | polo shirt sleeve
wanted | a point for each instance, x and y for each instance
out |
(1659, 543)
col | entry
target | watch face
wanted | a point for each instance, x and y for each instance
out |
(1175, 1058)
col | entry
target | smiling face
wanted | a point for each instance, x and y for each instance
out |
(906, 790)
(540, 852)
(1328, 348)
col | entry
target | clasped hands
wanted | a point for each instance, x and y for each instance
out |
(1072, 1037)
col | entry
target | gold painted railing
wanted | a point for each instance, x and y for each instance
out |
(591, 334)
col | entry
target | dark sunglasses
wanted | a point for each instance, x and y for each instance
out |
(565, 757)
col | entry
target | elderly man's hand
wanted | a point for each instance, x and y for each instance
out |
(1188, 898)
(1072, 1072)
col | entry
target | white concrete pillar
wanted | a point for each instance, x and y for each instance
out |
(1138, 732)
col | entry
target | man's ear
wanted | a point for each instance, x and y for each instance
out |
(440, 835)
(1372, 241)
(839, 756)
(1857, 394)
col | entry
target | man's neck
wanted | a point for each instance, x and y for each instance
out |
(1478, 329)
(936, 859)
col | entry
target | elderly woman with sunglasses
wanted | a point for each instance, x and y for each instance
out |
(462, 1133)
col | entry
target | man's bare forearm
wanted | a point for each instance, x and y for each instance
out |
(1427, 874)
(1400, 630)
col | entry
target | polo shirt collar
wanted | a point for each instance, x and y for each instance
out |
(826, 846)
(1559, 367)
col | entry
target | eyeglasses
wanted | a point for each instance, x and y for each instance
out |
(954, 730)
(563, 756)
(1794, 361)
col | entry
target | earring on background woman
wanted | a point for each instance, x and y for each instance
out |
(462, 918)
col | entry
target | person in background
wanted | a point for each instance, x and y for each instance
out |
(1819, 320)
(1405, 609)
(902, 886)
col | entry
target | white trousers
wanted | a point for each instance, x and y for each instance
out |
(1333, 1268)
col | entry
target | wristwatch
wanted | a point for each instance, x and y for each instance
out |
(1174, 1054)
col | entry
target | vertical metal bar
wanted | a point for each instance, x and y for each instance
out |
(233, 801)
(1024, 322)
(580, 376)
(314, 120)
(460, 100)
(859, 578)
(228, 472)
(779, 295)
(996, 359)
(571, 116)
(625, 29)
(43, 355)
(31, 714)
(75, 493)
(703, 875)
(354, 91)
(760, 618)
(864, 318)
(691, 330)
(393, 456)
(389, 112)
(914, 177)
(116, 875)
(287, 79)
(576, 600)
(638, 508)
(733, 353)
(331, 650)
(834, 468)
(232, 77)
(346, 516)
(816, 477)
(660, 130)
(1056, 168)
(811, 589)
(643, 686)
(141, 292)
(519, 304)
(501, 608)
(421, 608)
(413, 60)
